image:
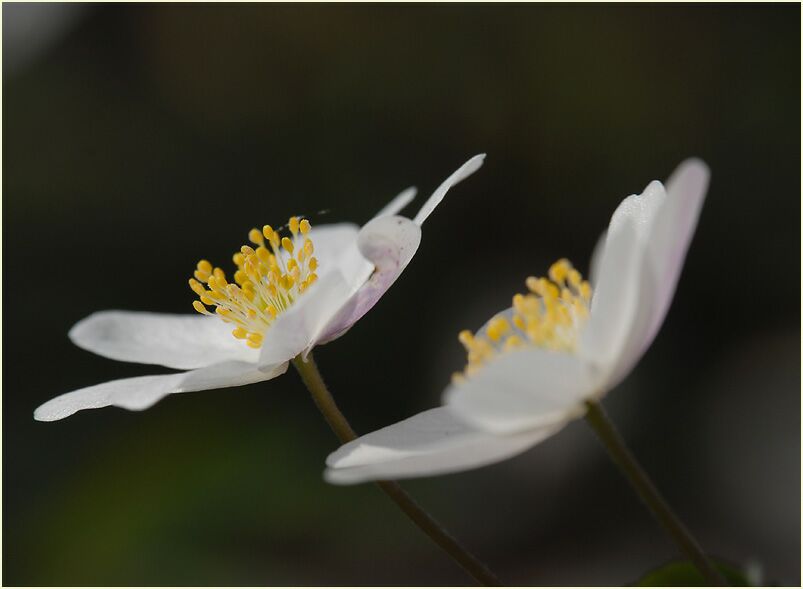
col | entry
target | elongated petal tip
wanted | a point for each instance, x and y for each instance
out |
(399, 202)
(459, 175)
(141, 392)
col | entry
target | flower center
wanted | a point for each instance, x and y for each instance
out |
(549, 316)
(267, 281)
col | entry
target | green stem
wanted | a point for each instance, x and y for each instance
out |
(340, 425)
(624, 459)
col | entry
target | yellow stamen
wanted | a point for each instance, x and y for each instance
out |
(550, 316)
(265, 284)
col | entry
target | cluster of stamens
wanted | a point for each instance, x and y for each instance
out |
(550, 316)
(267, 281)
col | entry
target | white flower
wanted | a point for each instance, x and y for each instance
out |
(289, 295)
(532, 367)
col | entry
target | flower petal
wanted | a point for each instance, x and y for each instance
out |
(460, 174)
(523, 389)
(672, 232)
(294, 331)
(664, 224)
(331, 241)
(176, 341)
(389, 243)
(400, 201)
(142, 392)
(430, 443)
(615, 303)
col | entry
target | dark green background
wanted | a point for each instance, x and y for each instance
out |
(142, 138)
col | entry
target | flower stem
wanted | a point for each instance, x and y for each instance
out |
(641, 483)
(340, 425)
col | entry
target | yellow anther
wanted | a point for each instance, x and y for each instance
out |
(549, 316)
(465, 337)
(574, 278)
(263, 254)
(559, 270)
(197, 287)
(292, 223)
(255, 237)
(265, 283)
(497, 327)
(511, 342)
(205, 267)
(287, 244)
(198, 306)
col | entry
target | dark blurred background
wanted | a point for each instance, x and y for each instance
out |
(140, 138)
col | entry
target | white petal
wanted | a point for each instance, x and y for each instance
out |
(615, 303)
(664, 223)
(294, 331)
(430, 443)
(176, 341)
(522, 389)
(141, 392)
(331, 241)
(389, 243)
(462, 173)
(403, 199)
(596, 259)
(672, 233)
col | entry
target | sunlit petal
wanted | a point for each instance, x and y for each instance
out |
(522, 389)
(430, 443)
(460, 174)
(142, 392)
(176, 341)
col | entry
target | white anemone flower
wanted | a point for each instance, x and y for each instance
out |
(532, 368)
(289, 294)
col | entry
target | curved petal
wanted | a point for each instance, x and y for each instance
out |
(672, 232)
(664, 224)
(389, 243)
(400, 201)
(176, 341)
(596, 259)
(142, 392)
(295, 330)
(460, 174)
(430, 443)
(331, 241)
(616, 299)
(523, 389)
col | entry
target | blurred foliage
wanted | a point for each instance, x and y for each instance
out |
(685, 574)
(148, 136)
